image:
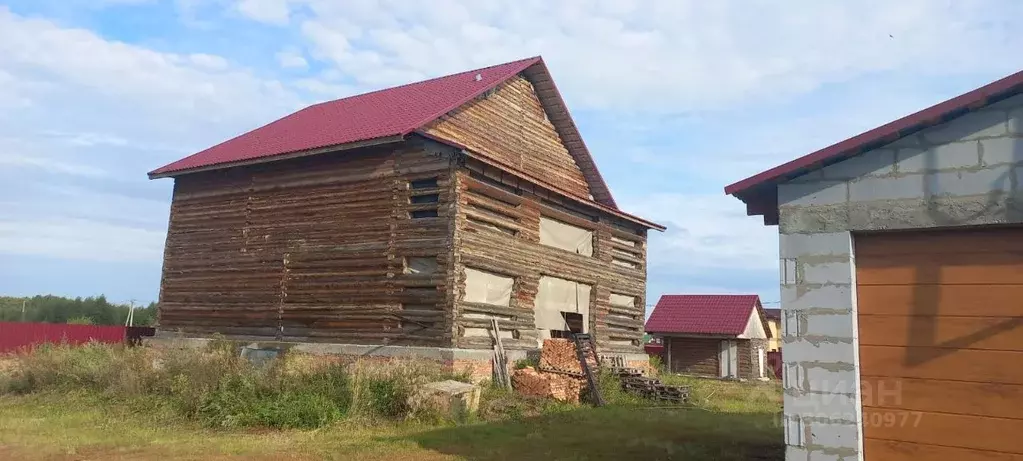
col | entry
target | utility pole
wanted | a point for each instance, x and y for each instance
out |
(130, 321)
(23, 301)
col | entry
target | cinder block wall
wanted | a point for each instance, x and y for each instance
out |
(967, 171)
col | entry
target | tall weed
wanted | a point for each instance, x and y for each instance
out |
(218, 388)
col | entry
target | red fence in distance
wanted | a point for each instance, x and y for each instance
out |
(16, 336)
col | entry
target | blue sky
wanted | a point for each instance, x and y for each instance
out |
(675, 100)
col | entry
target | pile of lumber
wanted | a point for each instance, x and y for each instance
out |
(559, 356)
(530, 382)
(651, 388)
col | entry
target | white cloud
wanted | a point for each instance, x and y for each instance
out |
(201, 86)
(667, 56)
(208, 61)
(48, 164)
(80, 239)
(274, 12)
(705, 232)
(102, 113)
(291, 59)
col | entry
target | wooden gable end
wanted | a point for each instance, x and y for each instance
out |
(509, 125)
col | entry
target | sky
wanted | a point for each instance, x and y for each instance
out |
(675, 100)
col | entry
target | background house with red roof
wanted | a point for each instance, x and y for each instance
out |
(409, 216)
(901, 279)
(712, 335)
(772, 318)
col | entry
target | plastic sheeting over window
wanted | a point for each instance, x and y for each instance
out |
(622, 300)
(566, 236)
(487, 287)
(559, 295)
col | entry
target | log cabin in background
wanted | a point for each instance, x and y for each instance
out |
(404, 219)
(712, 335)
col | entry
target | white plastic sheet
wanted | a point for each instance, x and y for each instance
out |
(566, 236)
(487, 287)
(622, 300)
(559, 295)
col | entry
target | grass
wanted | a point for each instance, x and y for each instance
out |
(82, 410)
(52, 426)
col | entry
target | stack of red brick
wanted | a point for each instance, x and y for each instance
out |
(559, 376)
(530, 382)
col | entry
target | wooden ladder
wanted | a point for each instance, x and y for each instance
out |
(585, 346)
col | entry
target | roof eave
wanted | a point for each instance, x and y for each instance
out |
(163, 173)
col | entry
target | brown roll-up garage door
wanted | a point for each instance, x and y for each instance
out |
(941, 344)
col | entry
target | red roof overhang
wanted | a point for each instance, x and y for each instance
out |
(760, 192)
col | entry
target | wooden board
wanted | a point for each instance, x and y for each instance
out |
(891, 450)
(933, 395)
(941, 341)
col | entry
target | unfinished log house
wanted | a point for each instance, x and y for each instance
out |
(407, 217)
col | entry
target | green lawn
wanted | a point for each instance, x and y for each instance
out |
(728, 421)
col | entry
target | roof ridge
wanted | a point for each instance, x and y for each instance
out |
(389, 88)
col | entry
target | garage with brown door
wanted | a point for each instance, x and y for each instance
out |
(940, 317)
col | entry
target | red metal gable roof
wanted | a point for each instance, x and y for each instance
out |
(760, 191)
(702, 314)
(394, 111)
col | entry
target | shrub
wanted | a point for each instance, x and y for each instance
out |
(220, 389)
(657, 364)
(527, 362)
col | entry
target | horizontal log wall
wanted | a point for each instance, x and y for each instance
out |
(313, 249)
(509, 126)
(498, 230)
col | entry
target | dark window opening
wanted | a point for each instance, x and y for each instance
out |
(574, 321)
(430, 198)
(428, 183)
(423, 214)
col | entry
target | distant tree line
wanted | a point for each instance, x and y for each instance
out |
(94, 310)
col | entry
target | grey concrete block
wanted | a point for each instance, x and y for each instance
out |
(943, 157)
(800, 350)
(974, 125)
(836, 407)
(831, 325)
(877, 162)
(794, 453)
(822, 193)
(795, 431)
(963, 183)
(821, 456)
(1010, 103)
(813, 219)
(1016, 122)
(989, 181)
(820, 379)
(827, 273)
(800, 298)
(891, 188)
(936, 211)
(827, 244)
(834, 435)
(997, 151)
